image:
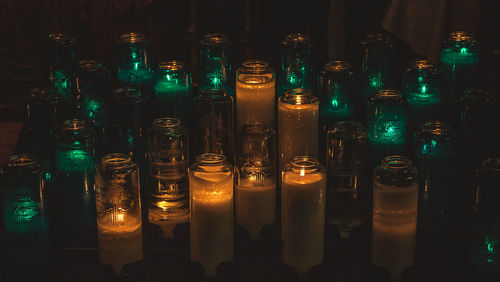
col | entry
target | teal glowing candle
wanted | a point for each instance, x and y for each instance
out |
(25, 221)
(59, 61)
(421, 87)
(216, 71)
(93, 86)
(296, 63)
(173, 91)
(75, 178)
(435, 157)
(387, 122)
(135, 63)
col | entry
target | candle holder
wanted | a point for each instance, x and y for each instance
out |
(485, 242)
(173, 91)
(211, 204)
(303, 213)
(168, 162)
(216, 71)
(119, 224)
(59, 62)
(255, 93)
(213, 124)
(135, 63)
(422, 90)
(74, 149)
(297, 118)
(297, 58)
(256, 183)
(387, 121)
(347, 193)
(24, 215)
(395, 199)
(93, 86)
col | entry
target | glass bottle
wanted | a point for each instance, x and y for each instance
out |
(387, 124)
(135, 64)
(394, 224)
(118, 206)
(422, 90)
(168, 162)
(347, 193)
(173, 91)
(256, 183)
(213, 124)
(255, 93)
(211, 204)
(297, 125)
(296, 63)
(216, 71)
(74, 153)
(337, 90)
(303, 213)
(435, 156)
(59, 63)
(485, 242)
(24, 216)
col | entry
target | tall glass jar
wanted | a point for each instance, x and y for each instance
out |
(213, 124)
(211, 203)
(216, 70)
(74, 151)
(59, 62)
(93, 86)
(297, 61)
(387, 124)
(337, 90)
(168, 162)
(256, 183)
(297, 125)
(24, 217)
(135, 63)
(485, 243)
(255, 93)
(118, 206)
(303, 213)
(173, 91)
(422, 89)
(347, 194)
(394, 224)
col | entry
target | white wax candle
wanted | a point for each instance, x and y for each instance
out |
(298, 131)
(211, 221)
(303, 220)
(255, 100)
(255, 205)
(120, 239)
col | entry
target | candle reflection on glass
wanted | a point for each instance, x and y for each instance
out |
(119, 224)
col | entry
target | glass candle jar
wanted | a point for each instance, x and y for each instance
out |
(387, 122)
(394, 223)
(24, 216)
(173, 91)
(297, 125)
(118, 206)
(296, 63)
(59, 62)
(168, 162)
(213, 124)
(74, 151)
(256, 183)
(211, 221)
(303, 213)
(421, 87)
(347, 193)
(216, 71)
(255, 93)
(134, 62)
(93, 86)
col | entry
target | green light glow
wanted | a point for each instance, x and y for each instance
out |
(73, 160)
(463, 50)
(134, 55)
(136, 66)
(48, 176)
(463, 56)
(93, 107)
(335, 103)
(389, 132)
(420, 79)
(424, 89)
(490, 244)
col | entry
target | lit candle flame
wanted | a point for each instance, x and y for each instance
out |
(302, 172)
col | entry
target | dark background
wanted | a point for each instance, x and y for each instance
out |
(256, 27)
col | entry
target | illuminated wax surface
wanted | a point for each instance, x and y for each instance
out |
(459, 56)
(68, 159)
(338, 103)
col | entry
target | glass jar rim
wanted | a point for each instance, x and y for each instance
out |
(299, 96)
(216, 38)
(133, 38)
(22, 161)
(492, 164)
(396, 162)
(171, 65)
(337, 66)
